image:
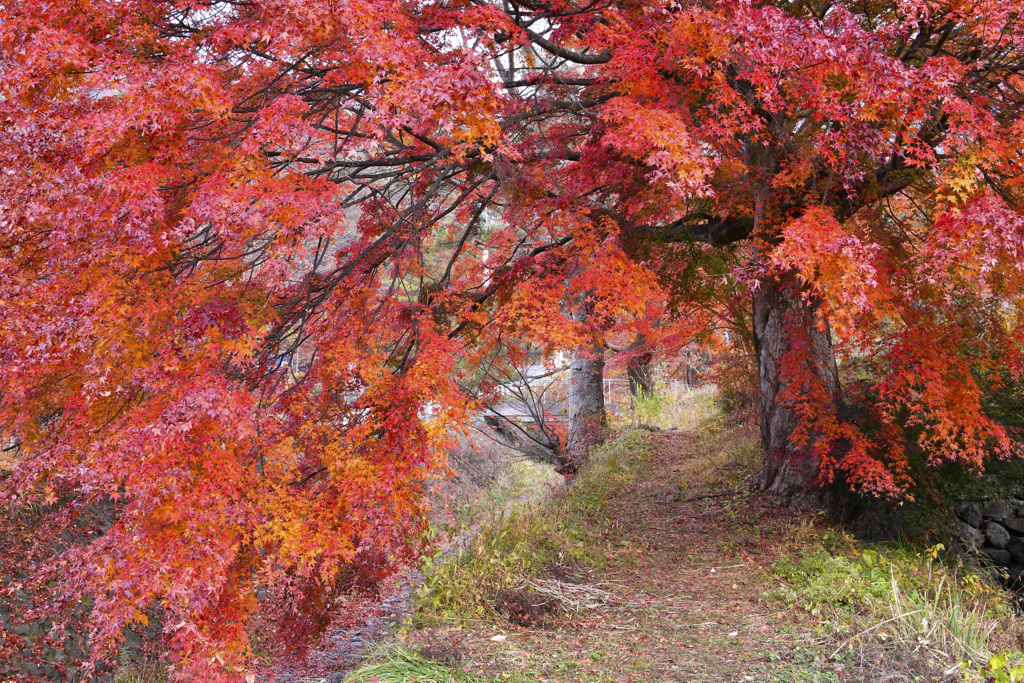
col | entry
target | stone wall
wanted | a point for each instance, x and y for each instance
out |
(996, 530)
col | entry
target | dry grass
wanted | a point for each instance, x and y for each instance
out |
(518, 537)
(945, 619)
(723, 457)
(571, 596)
(687, 409)
(141, 669)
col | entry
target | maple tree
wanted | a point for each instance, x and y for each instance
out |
(869, 154)
(253, 251)
(224, 314)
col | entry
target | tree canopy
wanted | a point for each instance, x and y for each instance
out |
(252, 251)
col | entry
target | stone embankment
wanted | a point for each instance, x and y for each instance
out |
(996, 530)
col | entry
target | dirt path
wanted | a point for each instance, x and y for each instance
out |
(687, 575)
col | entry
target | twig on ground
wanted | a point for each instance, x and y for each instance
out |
(571, 595)
(719, 494)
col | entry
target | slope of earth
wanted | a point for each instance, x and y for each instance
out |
(674, 570)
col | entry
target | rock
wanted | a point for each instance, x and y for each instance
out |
(1016, 549)
(973, 537)
(22, 630)
(972, 516)
(1014, 524)
(997, 510)
(998, 557)
(997, 534)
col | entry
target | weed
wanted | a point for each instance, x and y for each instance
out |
(140, 669)
(999, 670)
(821, 579)
(399, 665)
(903, 602)
(510, 545)
(670, 407)
(726, 457)
(648, 407)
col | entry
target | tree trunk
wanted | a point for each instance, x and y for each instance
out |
(783, 321)
(587, 420)
(638, 370)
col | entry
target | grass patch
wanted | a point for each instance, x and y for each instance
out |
(726, 457)
(727, 454)
(670, 407)
(523, 482)
(823, 581)
(656, 511)
(140, 669)
(900, 603)
(512, 544)
(395, 664)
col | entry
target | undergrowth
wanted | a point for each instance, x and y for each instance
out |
(513, 544)
(674, 407)
(908, 612)
(396, 664)
(726, 458)
(131, 670)
(900, 602)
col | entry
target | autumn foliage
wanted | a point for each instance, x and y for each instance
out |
(252, 254)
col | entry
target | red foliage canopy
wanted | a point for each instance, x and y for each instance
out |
(251, 252)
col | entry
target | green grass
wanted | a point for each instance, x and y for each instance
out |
(522, 542)
(822, 580)
(668, 408)
(398, 665)
(898, 600)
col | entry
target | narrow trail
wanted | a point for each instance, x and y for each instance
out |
(687, 591)
(687, 578)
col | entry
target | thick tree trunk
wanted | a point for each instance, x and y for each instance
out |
(587, 420)
(784, 321)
